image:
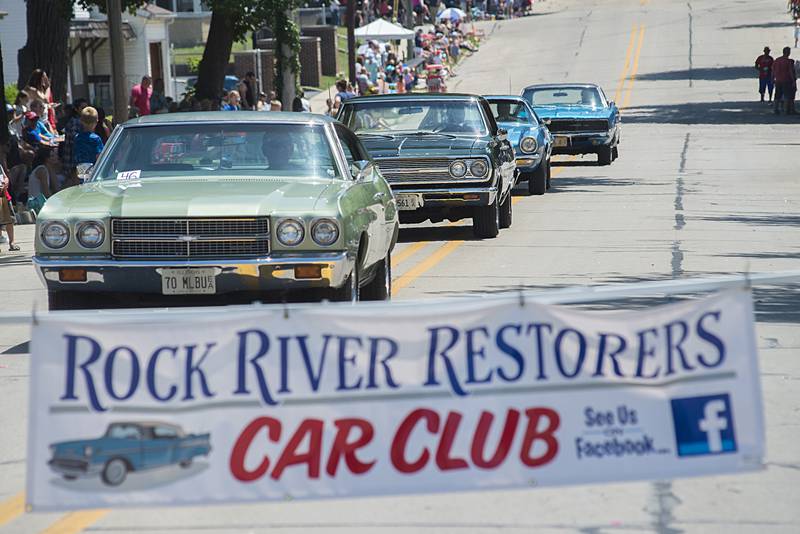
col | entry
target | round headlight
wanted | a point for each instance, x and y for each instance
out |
(90, 234)
(55, 234)
(528, 145)
(325, 232)
(479, 168)
(290, 232)
(458, 169)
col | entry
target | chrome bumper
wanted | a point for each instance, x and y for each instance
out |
(128, 276)
(453, 196)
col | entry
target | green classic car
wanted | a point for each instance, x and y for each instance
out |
(443, 154)
(196, 205)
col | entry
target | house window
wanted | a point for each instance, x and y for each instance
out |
(184, 6)
(165, 4)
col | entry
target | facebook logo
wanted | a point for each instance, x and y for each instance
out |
(703, 425)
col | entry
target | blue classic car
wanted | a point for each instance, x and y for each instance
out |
(127, 447)
(580, 118)
(530, 138)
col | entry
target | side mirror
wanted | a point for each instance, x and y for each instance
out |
(359, 169)
(612, 104)
(84, 171)
(547, 122)
(502, 134)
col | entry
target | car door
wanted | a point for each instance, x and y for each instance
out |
(505, 153)
(369, 200)
(157, 447)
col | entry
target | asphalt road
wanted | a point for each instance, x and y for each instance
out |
(707, 183)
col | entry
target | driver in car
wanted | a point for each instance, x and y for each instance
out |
(455, 121)
(588, 98)
(278, 149)
(504, 112)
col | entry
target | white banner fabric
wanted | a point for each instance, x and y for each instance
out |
(169, 408)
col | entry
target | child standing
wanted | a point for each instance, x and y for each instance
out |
(88, 144)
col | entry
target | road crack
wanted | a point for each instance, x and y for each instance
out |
(680, 220)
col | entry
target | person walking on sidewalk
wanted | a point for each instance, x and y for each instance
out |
(785, 82)
(764, 67)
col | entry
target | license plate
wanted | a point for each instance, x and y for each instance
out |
(188, 282)
(561, 141)
(408, 201)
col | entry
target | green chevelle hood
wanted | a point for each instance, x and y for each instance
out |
(197, 197)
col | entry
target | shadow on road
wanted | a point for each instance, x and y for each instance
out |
(564, 184)
(436, 233)
(773, 304)
(716, 74)
(750, 112)
(763, 25)
(574, 163)
(758, 220)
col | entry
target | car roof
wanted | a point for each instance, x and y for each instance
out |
(146, 424)
(230, 116)
(414, 96)
(562, 85)
(505, 97)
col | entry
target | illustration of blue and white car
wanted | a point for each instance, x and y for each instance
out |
(127, 446)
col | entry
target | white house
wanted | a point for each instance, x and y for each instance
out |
(146, 44)
(192, 20)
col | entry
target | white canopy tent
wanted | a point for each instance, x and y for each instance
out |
(383, 30)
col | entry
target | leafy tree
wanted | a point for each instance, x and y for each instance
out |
(47, 44)
(231, 20)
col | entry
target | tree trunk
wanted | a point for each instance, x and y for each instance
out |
(47, 47)
(4, 136)
(217, 53)
(289, 78)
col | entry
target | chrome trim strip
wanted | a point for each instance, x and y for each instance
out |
(293, 259)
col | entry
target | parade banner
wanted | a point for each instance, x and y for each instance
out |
(272, 402)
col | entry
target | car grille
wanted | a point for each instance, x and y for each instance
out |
(425, 171)
(190, 238)
(560, 125)
(70, 463)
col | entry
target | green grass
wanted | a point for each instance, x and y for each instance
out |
(182, 55)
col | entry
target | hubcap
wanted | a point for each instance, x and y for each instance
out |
(116, 471)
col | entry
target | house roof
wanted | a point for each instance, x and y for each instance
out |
(152, 10)
(96, 29)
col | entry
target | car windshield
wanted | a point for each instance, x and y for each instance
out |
(510, 111)
(223, 149)
(564, 96)
(124, 431)
(387, 117)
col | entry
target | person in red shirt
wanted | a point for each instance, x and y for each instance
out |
(764, 68)
(140, 96)
(785, 81)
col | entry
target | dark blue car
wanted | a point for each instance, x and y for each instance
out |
(580, 118)
(127, 447)
(530, 138)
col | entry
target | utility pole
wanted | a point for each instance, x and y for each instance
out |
(351, 40)
(117, 61)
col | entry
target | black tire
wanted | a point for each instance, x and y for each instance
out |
(380, 288)
(604, 156)
(68, 300)
(351, 290)
(70, 477)
(114, 472)
(486, 221)
(506, 212)
(549, 173)
(614, 153)
(537, 183)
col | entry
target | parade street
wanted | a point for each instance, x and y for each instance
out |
(706, 184)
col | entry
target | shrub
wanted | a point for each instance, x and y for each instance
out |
(11, 93)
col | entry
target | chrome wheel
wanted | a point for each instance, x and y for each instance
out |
(114, 472)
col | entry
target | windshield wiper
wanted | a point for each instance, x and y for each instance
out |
(430, 132)
(370, 134)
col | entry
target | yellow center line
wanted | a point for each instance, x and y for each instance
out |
(428, 263)
(635, 67)
(618, 93)
(75, 522)
(406, 253)
(12, 508)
